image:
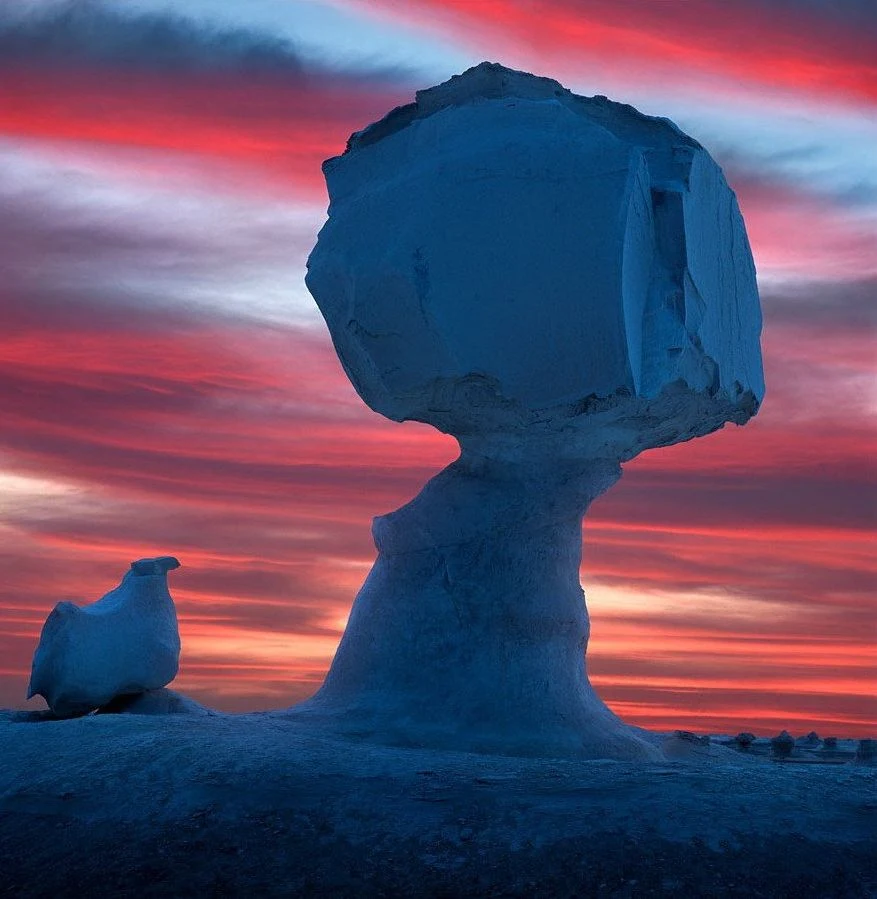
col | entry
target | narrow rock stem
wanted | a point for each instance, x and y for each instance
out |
(471, 629)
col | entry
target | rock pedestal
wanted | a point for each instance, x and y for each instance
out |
(470, 632)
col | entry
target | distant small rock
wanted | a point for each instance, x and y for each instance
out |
(866, 752)
(782, 745)
(830, 743)
(154, 702)
(685, 744)
(812, 739)
(744, 740)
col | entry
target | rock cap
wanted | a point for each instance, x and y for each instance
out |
(504, 258)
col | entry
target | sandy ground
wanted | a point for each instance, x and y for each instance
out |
(180, 805)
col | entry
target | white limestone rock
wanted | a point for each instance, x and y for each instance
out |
(684, 745)
(471, 629)
(504, 255)
(155, 702)
(560, 282)
(126, 642)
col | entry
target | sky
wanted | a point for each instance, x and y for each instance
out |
(167, 385)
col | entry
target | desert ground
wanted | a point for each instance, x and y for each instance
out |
(258, 805)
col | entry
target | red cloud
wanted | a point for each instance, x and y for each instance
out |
(282, 126)
(244, 451)
(745, 42)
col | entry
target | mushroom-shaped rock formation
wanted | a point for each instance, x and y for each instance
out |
(560, 282)
(125, 643)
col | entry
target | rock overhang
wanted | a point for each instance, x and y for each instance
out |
(503, 256)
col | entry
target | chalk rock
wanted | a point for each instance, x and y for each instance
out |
(126, 642)
(503, 255)
(155, 702)
(560, 282)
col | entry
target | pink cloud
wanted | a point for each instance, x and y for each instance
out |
(243, 449)
(748, 43)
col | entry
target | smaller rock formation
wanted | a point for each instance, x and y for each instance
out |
(685, 745)
(866, 752)
(126, 642)
(744, 740)
(811, 740)
(830, 744)
(782, 745)
(155, 702)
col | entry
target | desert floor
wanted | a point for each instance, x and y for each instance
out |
(257, 805)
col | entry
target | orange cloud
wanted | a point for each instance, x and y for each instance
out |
(730, 578)
(245, 452)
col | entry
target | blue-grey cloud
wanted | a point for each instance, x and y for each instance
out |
(849, 13)
(830, 306)
(95, 34)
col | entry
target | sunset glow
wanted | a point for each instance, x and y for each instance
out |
(168, 387)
